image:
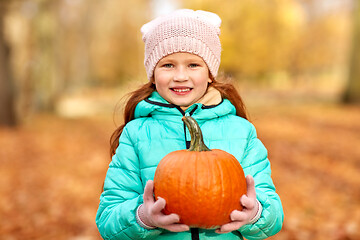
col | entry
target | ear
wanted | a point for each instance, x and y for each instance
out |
(210, 79)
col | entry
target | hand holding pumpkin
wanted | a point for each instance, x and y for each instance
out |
(151, 212)
(250, 209)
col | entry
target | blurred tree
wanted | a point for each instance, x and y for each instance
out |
(44, 32)
(65, 46)
(7, 91)
(32, 30)
(321, 45)
(352, 91)
(61, 35)
(117, 49)
(51, 49)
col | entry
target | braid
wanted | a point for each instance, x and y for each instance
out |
(228, 91)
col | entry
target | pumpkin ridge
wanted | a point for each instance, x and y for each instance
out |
(234, 183)
(239, 181)
(183, 173)
(227, 189)
(210, 181)
(222, 184)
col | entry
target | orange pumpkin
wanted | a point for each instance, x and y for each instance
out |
(202, 186)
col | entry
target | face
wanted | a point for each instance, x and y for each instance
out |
(181, 78)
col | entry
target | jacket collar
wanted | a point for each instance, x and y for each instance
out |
(212, 97)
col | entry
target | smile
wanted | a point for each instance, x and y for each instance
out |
(181, 90)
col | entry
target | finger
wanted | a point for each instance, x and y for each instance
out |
(177, 227)
(165, 220)
(229, 227)
(251, 193)
(248, 203)
(158, 206)
(221, 232)
(238, 216)
(148, 192)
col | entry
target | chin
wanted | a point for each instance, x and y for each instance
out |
(184, 104)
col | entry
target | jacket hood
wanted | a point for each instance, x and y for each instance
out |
(209, 107)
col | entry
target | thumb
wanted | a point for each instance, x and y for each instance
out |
(149, 192)
(251, 193)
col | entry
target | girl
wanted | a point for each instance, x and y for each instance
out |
(182, 57)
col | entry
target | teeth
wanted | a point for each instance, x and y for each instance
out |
(181, 90)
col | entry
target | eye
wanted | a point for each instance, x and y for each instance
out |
(167, 65)
(193, 65)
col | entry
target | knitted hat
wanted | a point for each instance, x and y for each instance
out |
(184, 30)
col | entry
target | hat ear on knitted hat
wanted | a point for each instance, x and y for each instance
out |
(183, 30)
(212, 18)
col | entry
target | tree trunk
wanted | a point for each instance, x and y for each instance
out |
(352, 91)
(7, 91)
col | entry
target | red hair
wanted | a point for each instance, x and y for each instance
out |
(227, 90)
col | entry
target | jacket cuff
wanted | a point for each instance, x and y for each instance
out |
(258, 213)
(141, 223)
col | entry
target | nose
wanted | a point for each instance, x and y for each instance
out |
(181, 74)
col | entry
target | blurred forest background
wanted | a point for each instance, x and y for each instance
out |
(65, 66)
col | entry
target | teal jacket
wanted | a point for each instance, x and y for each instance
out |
(158, 130)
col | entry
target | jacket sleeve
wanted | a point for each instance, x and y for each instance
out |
(256, 163)
(122, 194)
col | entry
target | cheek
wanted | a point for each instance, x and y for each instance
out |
(203, 81)
(159, 80)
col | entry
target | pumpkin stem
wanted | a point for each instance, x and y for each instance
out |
(197, 141)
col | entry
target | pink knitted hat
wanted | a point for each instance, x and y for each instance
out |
(184, 30)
